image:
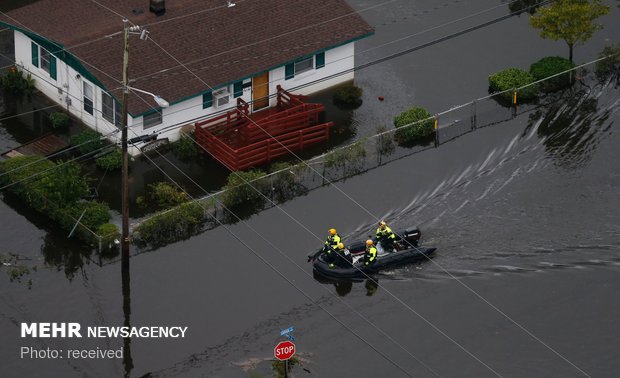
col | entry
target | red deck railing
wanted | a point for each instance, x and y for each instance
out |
(240, 140)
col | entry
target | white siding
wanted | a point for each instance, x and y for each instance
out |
(66, 90)
(337, 60)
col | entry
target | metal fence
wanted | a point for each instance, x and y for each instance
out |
(362, 156)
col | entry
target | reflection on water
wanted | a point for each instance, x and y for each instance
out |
(571, 128)
(344, 287)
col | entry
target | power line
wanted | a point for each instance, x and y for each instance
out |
(368, 212)
(289, 259)
(272, 267)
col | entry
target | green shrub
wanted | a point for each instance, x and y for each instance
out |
(241, 189)
(550, 66)
(110, 161)
(95, 214)
(349, 96)
(185, 148)
(606, 67)
(346, 156)
(41, 184)
(414, 125)
(16, 83)
(55, 193)
(108, 233)
(513, 78)
(178, 223)
(59, 120)
(166, 195)
(284, 183)
(88, 141)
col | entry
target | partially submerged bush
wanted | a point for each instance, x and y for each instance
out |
(185, 147)
(166, 195)
(88, 141)
(350, 158)
(56, 192)
(414, 125)
(550, 66)
(110, 161)
(349, 96)
(43, 184)
(513, 78)
(606, 67)
(245, 188)
(59, 120)
(171, 225)
(284, 183)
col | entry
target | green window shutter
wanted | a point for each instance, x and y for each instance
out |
(207, 100)
(35, 54)
(53, 67)
(238, 88)
(289, 71)
(320, 60)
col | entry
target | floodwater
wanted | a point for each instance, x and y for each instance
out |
(523, 214)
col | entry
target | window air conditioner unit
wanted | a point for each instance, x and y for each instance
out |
(222, 97)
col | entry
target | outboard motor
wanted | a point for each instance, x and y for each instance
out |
(412, 235)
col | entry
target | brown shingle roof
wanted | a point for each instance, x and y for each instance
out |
(217, 43)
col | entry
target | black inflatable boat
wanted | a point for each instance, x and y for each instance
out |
(404, 251)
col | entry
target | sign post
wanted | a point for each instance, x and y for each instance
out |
(283, 351)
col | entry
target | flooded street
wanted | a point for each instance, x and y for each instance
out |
(523, 214)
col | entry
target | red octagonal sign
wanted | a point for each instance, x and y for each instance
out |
(284, 350)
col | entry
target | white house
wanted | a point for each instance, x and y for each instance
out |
(200, 55)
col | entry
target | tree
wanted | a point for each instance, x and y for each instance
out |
(570, 20)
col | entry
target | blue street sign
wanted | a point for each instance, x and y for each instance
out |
(290, 337)
(286, 331)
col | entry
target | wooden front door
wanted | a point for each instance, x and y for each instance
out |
(260, 91)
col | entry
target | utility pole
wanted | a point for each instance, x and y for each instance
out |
(125, 167)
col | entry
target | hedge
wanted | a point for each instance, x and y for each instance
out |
(55, 190)
(245, 188)
(178, 223)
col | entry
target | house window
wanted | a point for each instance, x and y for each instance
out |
(304, 65)
(222, 97)
(152, 119)
(110, 109)
(43, 59)
(88, 98)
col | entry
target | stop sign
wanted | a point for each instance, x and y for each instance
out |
(284, 350)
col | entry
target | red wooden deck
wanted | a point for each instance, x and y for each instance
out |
(241, 140)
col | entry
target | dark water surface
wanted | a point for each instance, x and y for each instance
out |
(523, 213)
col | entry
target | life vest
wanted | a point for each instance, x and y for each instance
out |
(385, 233)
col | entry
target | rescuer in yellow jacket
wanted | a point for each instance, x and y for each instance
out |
(370, 255)
(385, 236)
